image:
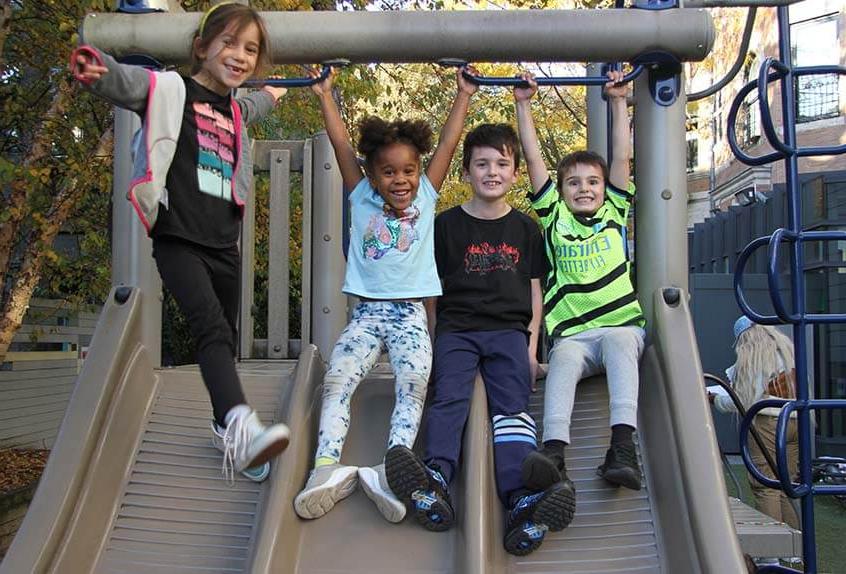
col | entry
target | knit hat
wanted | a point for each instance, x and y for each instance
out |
(742, 324)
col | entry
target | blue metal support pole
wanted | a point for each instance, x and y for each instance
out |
(794, 216)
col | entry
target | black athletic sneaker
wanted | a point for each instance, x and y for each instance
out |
(421, 486)
(532, 515)
(541, 469)
(620, 466)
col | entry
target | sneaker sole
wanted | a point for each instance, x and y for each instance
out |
(405, 472)
(392, 509)
(556, 508)
(272, 450)
(519, 543)
(318, 501)
(438, 517)
(626, 477)
(257, 473)
(538, 472)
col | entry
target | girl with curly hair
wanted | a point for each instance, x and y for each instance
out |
(391, 269)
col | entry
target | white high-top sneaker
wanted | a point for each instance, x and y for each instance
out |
(257, 473)
(247, 443)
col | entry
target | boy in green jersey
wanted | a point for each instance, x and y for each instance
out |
(592, 312)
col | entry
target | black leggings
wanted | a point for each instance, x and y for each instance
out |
(204, 282)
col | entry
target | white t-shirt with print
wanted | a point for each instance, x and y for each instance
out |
(392, 257)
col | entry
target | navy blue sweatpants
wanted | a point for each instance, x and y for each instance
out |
(502, 357)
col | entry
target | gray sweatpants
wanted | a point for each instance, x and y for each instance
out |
(615, 351)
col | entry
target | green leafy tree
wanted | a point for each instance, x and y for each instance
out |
(55, 171)
(55, 145)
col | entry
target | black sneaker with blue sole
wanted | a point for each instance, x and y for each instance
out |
(532, 515)
(424, 488)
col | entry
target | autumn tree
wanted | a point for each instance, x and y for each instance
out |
(55, 166)
(56, 144)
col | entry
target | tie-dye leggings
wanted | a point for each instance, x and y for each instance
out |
(400, 328)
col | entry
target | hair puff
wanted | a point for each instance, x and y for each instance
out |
(376, 133)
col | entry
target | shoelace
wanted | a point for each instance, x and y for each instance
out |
(438, 477)
(523, 502)
(235, 440)
(625, 454)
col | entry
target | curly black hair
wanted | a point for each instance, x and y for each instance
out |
(376, 133)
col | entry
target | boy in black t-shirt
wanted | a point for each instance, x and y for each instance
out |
(490, 260)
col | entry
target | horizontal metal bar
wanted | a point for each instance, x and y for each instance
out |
(303, 82)
(472, 35)
(550, 80)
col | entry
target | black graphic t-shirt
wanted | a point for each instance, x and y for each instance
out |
(486, 266)
(199, 183)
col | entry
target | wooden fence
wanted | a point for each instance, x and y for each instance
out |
(38, 374)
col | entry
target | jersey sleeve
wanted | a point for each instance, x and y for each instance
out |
(544, 202)
(621, 199)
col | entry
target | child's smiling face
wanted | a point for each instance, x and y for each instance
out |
(491, 172)
(395, 173)
(583, 189)
(230, 59)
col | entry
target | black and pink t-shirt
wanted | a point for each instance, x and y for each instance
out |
(486, 266)
(199, 183)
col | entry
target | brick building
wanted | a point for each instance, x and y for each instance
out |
(730, 203)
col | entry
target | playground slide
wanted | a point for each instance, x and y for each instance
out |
(133, 486)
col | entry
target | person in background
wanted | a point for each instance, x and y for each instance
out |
(764, 370)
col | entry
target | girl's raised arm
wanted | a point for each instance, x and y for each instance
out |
(336, 130)
(438, 166)
(120, 84)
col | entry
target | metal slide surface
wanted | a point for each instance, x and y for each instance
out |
(143, 493)
(133, 483)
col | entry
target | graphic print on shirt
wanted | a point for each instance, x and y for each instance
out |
(385, 231)
(576, 255)
(485, 258)
(216, 142)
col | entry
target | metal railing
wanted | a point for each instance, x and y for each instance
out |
(787, 150)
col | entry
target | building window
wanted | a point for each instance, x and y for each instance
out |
(692, 153)
(692, 133)
(817, 96)
(718, 116)
(748, 132)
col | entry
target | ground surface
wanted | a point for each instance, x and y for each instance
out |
(19, 468)
(829, 518)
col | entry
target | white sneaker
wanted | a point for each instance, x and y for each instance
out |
(247, 443)
(327, 485)
(375, 486)
(257, 473)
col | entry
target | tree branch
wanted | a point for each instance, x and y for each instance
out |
(5, 23)
(38, 242)
(17, 204)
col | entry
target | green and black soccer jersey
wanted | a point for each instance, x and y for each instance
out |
(589, 283)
